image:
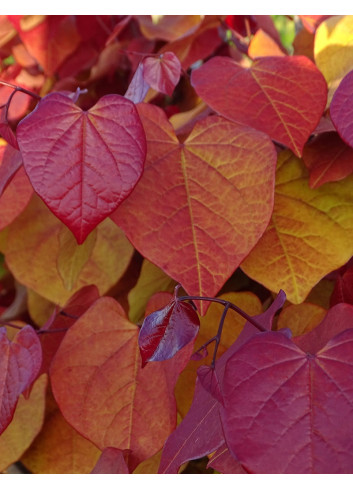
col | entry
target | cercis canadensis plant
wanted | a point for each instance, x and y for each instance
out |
(176, 229)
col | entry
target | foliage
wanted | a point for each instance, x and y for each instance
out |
(176, 238)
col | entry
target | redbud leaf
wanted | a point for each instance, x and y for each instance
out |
(83, 164)
(341, 109)
(209, 185)
(224, 462)
(282, 96)
(201, 433)
(20, 361)
(111, 462)
(343, 291)
(283, 408)
(162, 73)
(166, 331)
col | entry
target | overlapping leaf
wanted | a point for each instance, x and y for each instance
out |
(20, 361)
(209, 185)
(59, 449)
(283, 408)
(25, 425)
(287, 106)
(341, 109)
(328, 159)
(162, 73)
(89, 161)
(310, 233)
(333, 49)
(200, 433)
(33, 261)
(111, 462)
(103, 393)
(166, 331)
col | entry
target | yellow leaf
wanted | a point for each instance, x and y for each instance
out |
(72, 257)
(310, 233)
(32, 250)
(151, 280)
(301, 318)
(333, 49)
(25, 426)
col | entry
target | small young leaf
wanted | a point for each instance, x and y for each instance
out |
(166, 331)
(162, 73)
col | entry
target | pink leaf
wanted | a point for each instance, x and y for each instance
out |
(112, 461)
(138, 87)
(10, 162)
(341, 109)
(162, 73)
(83, 164)
(20, 362)
(284, 408)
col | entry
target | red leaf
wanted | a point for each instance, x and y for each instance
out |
(20, 362)
(209, 186)
(224, 462)
(288, 106)
(341, 109)
(343, 291)
(111, 462)
(201, 432)
(10, 162)
(166, 331)
(328, 159)
(162, 73)
(83, 164)
(284, 408)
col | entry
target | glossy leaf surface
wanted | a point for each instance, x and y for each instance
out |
(211, 217)
(288, 107)
(89, 160)
(20, 361)
(166, 331)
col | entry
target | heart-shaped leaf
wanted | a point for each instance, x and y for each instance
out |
(284, 409)
(289, 95)
(162, 73)
(209, 185)
(83, 164)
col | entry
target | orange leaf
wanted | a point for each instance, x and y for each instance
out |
(310, 233)
(211, 215)
(262, 44)
(33, 260)
(59, 449)
(167, 27)
(301, 318)
(25, 425)
(101, 389)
